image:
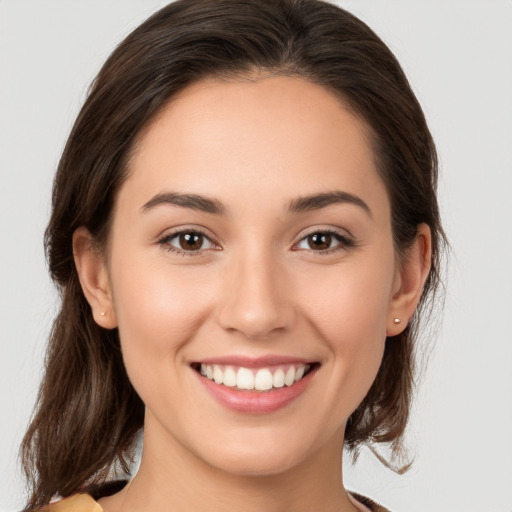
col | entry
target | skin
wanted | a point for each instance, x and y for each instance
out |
(255, 287)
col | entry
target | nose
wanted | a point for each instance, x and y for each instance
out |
(257, 298)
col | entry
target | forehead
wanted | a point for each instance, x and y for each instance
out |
(267, 136)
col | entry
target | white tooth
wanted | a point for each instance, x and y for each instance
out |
(299, 373)
(289, 378)
(209, 372)
(245, 379)
(263, 380)
(229, 377)
(203, 369)
(278, 378)
(218, 376)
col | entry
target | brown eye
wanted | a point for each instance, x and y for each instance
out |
(324, 242)
(319, 241)
(187, 242)
(191, 241)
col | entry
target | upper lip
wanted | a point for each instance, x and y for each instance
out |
(254, 362)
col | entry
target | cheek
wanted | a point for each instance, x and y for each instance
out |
(158, 311)
(349, 311)
(350, 304)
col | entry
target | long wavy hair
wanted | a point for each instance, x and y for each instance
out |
(87, 414)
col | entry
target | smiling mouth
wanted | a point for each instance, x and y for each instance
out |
(262, 379)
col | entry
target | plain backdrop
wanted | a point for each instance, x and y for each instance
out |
(458, 56)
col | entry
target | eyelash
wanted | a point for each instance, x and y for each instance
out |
(344, 242)
(165, 241)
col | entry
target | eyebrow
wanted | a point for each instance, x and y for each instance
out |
(322, 200)
(192, 201)
(215, 207)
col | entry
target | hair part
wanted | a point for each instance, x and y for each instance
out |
(87, 413)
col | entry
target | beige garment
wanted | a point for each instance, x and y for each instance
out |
(85, 503)
(75, 503)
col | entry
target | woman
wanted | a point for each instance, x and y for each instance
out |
(244, 230)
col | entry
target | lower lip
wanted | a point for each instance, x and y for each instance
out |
(254, 402)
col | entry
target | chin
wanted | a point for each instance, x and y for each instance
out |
(259, 455)
(258, 464)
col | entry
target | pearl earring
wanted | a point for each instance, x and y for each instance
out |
(102, 313)
(396, 320)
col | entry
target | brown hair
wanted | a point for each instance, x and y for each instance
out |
(88, 413)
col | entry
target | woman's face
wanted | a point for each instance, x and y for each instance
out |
(252, 242)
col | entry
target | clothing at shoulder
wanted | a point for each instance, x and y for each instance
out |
(86, 503)
(75, 503)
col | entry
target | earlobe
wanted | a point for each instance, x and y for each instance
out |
(93, 275)
(411, 276)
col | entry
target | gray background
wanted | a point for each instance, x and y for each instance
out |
(458, 56)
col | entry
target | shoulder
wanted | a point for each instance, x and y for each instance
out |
(369, 504)
(85, 501)
(76, 503)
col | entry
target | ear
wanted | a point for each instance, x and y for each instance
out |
(93, 275)
(409, 280)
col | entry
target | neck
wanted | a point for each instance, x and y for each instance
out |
(176, 480)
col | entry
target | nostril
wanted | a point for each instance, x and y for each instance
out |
(258, 306)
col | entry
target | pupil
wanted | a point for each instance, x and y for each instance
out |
(190, 241)
(319, 241)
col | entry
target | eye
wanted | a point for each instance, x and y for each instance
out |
(324, 241)
(189, 241)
